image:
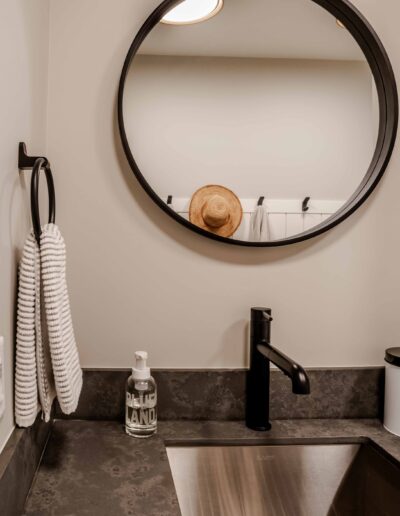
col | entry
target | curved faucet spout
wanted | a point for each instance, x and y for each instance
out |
(300, 381)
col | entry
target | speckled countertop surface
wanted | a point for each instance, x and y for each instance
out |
(94, 468)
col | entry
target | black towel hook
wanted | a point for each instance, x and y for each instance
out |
(260, 201)
(304, 204)
(26, 162)
(37, 164)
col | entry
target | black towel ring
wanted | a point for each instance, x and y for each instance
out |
(41, 164)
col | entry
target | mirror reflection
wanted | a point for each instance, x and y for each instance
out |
(258, 123)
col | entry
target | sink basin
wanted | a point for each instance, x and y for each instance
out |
(285, 480)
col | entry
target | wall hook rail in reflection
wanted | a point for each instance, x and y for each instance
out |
(38, 163)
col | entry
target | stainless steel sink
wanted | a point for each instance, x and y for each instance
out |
(285, 480)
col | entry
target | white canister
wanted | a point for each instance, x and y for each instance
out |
(391, 420)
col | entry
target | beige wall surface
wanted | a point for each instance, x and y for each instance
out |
(252, 125)
(23, 98)
(139, 280)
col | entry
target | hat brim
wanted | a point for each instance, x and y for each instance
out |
(202, 195)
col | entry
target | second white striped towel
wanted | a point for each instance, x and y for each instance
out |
(47, 360)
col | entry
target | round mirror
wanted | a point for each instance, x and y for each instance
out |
(261, 123)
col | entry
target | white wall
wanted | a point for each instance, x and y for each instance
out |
(257, 126)
(23, 95)
(139, 280)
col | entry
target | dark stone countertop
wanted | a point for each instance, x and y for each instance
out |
(94, 468)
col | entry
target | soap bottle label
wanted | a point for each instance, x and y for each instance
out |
(141, 409)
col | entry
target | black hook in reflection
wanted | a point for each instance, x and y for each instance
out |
(304, 205)
(169, 199)
(260, 201)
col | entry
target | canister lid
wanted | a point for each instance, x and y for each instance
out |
(392, 356)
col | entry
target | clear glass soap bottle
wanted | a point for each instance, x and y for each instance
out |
(141, 400)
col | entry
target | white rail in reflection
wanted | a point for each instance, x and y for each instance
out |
(285, 216)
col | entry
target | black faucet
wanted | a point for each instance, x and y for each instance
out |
(261, 354)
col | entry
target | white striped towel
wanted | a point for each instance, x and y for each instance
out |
(64, 352)
(33, 366)
(44, 329)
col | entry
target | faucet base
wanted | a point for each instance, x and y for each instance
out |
(259, 428)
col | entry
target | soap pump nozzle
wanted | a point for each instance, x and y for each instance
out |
(141, 371)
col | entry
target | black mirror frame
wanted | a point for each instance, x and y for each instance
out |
(385, 81)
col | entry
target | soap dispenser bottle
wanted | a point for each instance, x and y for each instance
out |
(141, 400)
